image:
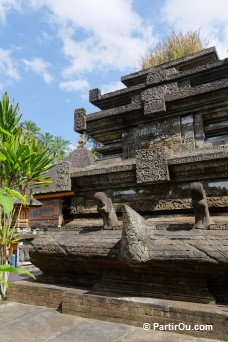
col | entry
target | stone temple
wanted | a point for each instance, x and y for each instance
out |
(149, 218)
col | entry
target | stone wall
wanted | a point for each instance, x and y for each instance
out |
(127, 310)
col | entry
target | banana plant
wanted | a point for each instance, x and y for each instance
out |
(8, 236)
(4, 270)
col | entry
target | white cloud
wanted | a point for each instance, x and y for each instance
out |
(8, 66)
(6, 6)
(39, 66)
(74, 85)
(98, 35)
(210, 16)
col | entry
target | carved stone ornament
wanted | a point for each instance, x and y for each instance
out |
(81, 141)
(199, 203)
(151, 166)
(162, 132)
(80, 120)
(106, 210)
(63, 176)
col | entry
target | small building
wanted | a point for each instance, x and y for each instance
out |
(59, 192)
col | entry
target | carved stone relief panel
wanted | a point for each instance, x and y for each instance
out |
(80, 120)
(154, 100)
(151, 165)
(203, 170)
(172, 204)
(198, 156)
(63, 181)
(159, 75)
(161, 133)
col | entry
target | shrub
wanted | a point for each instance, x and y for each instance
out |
(176, 45)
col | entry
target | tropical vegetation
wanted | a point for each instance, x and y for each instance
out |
(23, 162)
(57, 146)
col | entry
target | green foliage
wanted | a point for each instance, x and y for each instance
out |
(23, 159)
(5, 269)
(9, 118)
(8, 233)
(23, 162)
(176, 45)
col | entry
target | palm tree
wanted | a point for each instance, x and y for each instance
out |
(46, 139)
(59, 148)
(30, 128)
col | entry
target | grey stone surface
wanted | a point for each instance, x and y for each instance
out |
(28, 323)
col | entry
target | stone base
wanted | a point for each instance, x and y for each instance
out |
(128, 310)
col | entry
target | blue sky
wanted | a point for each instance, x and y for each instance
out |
(52, 52)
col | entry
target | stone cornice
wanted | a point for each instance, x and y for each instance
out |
(172, 96)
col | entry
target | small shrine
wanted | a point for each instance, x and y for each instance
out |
(149, 218)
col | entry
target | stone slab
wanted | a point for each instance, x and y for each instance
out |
(26, 323)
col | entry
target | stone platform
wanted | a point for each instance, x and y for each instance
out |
(26, 323)
(133, 311)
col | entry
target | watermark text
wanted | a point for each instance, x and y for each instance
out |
(179, 326)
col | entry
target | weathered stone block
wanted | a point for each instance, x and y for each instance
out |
(154, 101)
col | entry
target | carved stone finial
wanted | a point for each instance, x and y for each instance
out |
(106, 210)
(94, 95)
(199, 203)
(81, 141)
(80, 120)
